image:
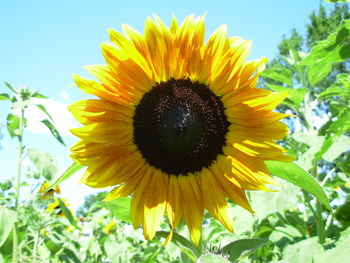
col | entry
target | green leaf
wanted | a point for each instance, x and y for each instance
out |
(11, 88)
(303, 251)
(315, 143)
(338, 1)
(335, 143)
(263, 231)
(7, 219)
(53, 131)
(267, 203)
(67, 212)
(298, 176)
(120, 208)
(280, 74)
(336, 48)
(44, 162)
(339, 145)
(281, 233)
(338, 254)
(38, 95)
(296, 96)
(94, 247)
(43, 109)
(43, 252)
(183, 243)
(53, 246)
(69, 256)
(212, 259)
(68, 173)
(12, 125)
(318, 72)
(4, 96)
(114, 249)
(236, 248)
(341, 124)
(341, 87)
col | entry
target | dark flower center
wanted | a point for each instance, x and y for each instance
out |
(180, 126)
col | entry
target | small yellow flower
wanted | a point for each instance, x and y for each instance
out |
(49, 193)
(55, 207)
(70, 228)
(109, 227)
(347, 184)
(44, 232)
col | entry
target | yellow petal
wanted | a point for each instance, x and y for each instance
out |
(236, 194)
(174, 210)
(192, 208)
(94, 88)
(89, 111)
(105, 132)
(138, 199)
(128, 187)
(214, 199)
(154, 204)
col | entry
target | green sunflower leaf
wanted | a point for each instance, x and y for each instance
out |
(280, 74)
(120, 208)
(183, 243)
(338, 1)
(336, 48)
(7, 219)
(236, 248)
(44, 162)
(38, 95)
(53, 131)
(75, 167)
(341, 88)
(298, 176)
(66, 212)
(11, 88)
(4, 96)
(212, 259)
(295, 97)
(13, 122)
(339, 253)
(43, 109)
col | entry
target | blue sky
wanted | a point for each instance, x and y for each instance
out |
(44, 42)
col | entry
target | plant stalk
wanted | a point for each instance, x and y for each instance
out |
(321, 232)
(18, 183)
(35, 248)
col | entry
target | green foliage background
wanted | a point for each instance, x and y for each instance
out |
(306, 221)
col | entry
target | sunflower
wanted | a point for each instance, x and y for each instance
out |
(178, 124)
(56, 207)
(44, 195)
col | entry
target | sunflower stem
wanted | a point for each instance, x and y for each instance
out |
(307, 118)
(35, 247)
(318, 216)
(18, 182)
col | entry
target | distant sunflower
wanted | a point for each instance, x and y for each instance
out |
(179, 124)
(49, 193)
(55, 207)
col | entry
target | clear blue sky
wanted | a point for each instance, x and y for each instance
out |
(44, 42)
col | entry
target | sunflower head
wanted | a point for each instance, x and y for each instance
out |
(55, 207)
(178, 124)
(44, 195)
